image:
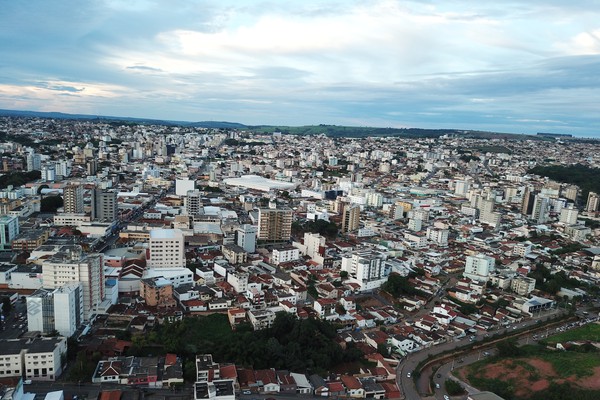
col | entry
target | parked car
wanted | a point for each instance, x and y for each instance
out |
(408, 375)
(246, 392)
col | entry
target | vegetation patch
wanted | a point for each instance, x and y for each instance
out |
(589, 332)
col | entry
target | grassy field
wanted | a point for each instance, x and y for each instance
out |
(568, 364)
(586, 332)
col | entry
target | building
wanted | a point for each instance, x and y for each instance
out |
(9, 230)
(313, 243)
(39, 359)
(522, 285)
(541, 209)
(166, 248)
(350, 218)
(60, 310)
(183, 186)
(104, 205)
(193, 202)
(157, 292)
(246, 237)
(478, 267)
(234, 253)
(73, 199)
(568, 215)
(71, 265)
(274, 224)
(438, 236)
(30, 240)
(366, 268)
(593, 201)
(284, 254)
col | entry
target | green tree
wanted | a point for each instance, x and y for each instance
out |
(6, 306)
(51, 203)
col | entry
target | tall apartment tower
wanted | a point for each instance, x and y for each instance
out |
(541, 209)
(166, 248)
(193, 202)
(73, 199)
(593, 201)
(60, 310)
(274, 224)
(350, 218)
(246, 237)
(104, 205)
(478, 267)
(9, 229)
(568, 215)
(527, 203)
(72, 265)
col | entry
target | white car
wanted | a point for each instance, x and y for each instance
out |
(408, 375)
(446, 397)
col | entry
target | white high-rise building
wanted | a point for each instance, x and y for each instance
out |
(569, 215)
(166, 248)
(313, 241)
(60, 310)
(71, 265)
(439, 236)
(246, 237)
(9, 229)
(541, 209)
(366, 268)
(182, 186)
(461, 187)
(478, 267)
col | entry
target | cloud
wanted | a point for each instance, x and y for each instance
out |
(519, 65)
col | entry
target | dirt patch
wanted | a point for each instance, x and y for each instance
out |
(370, 302)
(591, 382)
(528, 376)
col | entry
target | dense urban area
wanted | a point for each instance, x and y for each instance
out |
(163, 261)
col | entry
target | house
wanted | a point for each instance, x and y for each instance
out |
(373, 389)
(303, 385)
(287, 384)
(353, 386)
(336, 389)
(319, 385)
(267, 381)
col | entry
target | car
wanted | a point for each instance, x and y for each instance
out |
(27, 382)
(246, 392)
(486, 353)
(408, 375)
(446, 397)
(437, 385)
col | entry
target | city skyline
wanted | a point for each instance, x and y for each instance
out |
(518, 67)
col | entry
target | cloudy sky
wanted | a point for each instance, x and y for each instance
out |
(508, 66)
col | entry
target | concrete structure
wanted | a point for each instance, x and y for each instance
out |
(60, 310)
(365, 267)
(522, 285)
(39, 359)
(71, 265)
(193, 202)
(182, 186)
(284, 254)
(274, 224)
(479, 267)
(166, 248)
(104, 205)
(9, 230)
(157, 292)
(73, 199)
(593, 201)
(350, 218)
(246, 237)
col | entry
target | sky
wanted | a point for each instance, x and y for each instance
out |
(505, 66)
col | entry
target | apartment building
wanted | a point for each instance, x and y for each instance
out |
(166, 248)
(39, 359)
(274, 224)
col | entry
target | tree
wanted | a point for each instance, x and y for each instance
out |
(453, 388)
(51, 203)
(6, 306)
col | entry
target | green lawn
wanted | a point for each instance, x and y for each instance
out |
(586, 332)
(570, 363)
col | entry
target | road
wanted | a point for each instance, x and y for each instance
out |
(414, 388)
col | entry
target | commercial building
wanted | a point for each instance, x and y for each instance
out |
(246, 237)
(157, 292)
(350, 218)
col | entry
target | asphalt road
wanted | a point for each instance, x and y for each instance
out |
(412, 388)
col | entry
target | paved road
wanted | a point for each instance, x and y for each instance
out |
(412, 389)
